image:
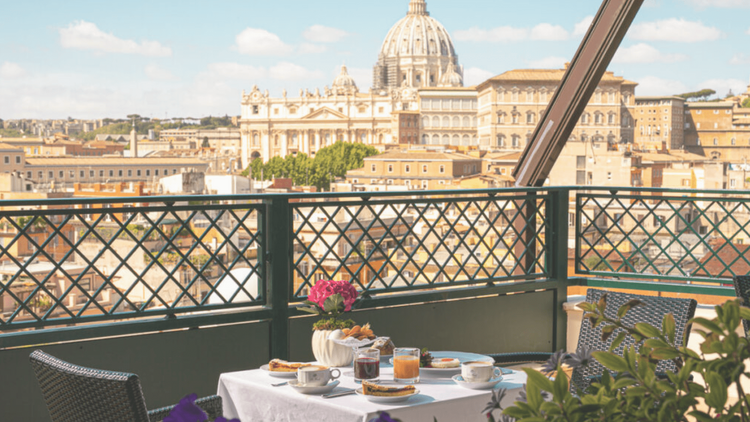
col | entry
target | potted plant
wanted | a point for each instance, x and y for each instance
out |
(330, 299)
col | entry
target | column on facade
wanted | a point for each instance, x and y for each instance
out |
(305, 139)
(284, 143)
(265, 142)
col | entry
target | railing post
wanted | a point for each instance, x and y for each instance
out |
(279, 259)
(557, 255)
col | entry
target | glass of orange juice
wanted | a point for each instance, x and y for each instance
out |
(406, 365)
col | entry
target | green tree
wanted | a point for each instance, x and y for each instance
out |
(746, 103)
(701, 95)
(205, 143)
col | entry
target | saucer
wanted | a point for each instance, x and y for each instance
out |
(313, 389)
(278, 374)
(477, 385)
(386, 399)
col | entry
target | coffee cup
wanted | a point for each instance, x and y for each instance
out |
(476, 371)
(316, 376)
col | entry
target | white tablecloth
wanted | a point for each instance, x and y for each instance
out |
(249, 396)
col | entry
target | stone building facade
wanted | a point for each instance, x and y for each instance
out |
(659, 122)
(718, 130)
(511, 104)
(448, 116)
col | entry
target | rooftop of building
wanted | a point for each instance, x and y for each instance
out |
(530, 75)
(709, 104)
(658, 97)
(109, 161)
(421, 155)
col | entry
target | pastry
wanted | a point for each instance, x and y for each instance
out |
(278, 365)
(446, 363)
(385, 345)
(371, 389)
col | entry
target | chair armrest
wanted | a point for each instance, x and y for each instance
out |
(212, 405)
(520, 357)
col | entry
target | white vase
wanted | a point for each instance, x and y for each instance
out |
(329, 353)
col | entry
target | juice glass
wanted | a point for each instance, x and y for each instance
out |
(406, 365)
(367, 365)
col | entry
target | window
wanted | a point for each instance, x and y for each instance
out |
(697, 112)
(529, 118)
(515, 140)
(424, 168)
(442, 168)
(372, 168)
(81, 174)
(156, 172)
(40, 175)
(62, 174)
(119, 173)
(716, 125)
(148, 173)
(716, 141)
(716, 111)
(138, 172)
(732, 183)
(18, 159)
(407, 168)
(598, 118)
(174, 171)
(166, 172)
(6, 159)
(130, 173)
(515, 118)
(28, 175)
(580, 161)
(91, 173)
(585, 118)
(390, 168)
(255, 109)
(611, 119)
(733, 141)
(50, 174)
(609, 175)
(101, 173)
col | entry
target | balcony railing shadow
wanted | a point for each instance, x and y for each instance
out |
(180, 289)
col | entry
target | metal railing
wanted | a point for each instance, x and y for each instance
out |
(67, 263)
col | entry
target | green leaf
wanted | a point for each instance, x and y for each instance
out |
(560, 385)
(611, 361)
(607, 331)
(586, 306)
(602, 305)
(538, 379)
(717, 396)
(617, 341)
(744, 312)
(334, 303)
(701, 416)
(711, 325)
(668, 327)
(624, 382)
(664, 353)
(310, 310)
(655, 343)
(624, 309)
(647, 330)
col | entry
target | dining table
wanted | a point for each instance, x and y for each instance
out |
(251, 396)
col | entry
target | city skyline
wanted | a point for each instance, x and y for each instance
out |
(185, 60)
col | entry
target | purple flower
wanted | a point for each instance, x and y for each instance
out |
(187, 411)
(383, 417)
(580, 358)
(554, 361)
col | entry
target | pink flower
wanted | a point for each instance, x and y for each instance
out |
(323, 289)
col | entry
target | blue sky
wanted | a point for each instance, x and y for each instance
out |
(163, 58)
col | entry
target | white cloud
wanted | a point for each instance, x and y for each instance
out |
(307, 48)
(499, 34)
(740, 58)
(286, 71)
(652, 85)
(581, 27)
(673, 29)
(548, 32)
(644, 53)
(325, 34)
(259, 42)
(722, 86)
(157, 73)
(719, 3)
(237, 71)
(9, 70)
(748, 31)
(551, 62)
(475, 76)
(84, 35)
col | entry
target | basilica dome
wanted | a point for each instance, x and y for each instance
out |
(417, 34)
(344, 83)
(416, 51)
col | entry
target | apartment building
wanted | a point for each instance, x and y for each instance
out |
(658, 121)
(719, 130)
(449, 116)
(12, 158)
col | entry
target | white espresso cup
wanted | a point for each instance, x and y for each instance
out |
(477, 371)
(316, 376)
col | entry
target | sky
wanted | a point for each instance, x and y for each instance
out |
(90, 59)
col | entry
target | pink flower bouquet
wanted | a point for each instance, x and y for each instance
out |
(331, 298)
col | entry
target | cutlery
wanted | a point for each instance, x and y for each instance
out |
(339, 394)
(280, 384)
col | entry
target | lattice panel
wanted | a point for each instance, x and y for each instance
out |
(122, 260)
(682, 238)
(392, 245)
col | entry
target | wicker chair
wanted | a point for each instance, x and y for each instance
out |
(742, 289)
(78, 394)
(653, 313)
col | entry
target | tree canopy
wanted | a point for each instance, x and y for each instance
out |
(330, 162)
(701, 95)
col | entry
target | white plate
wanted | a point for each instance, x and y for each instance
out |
(448, 372)
(353, 342)
(386, 399)
(479, 385)
(279, 374)
(322, 389)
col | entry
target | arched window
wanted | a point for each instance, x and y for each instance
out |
(455, 140)
(501, 118)
(515, 118)
(256, 139)
(425, 121)
(734, 141)
(585, 118)
(465, 140)
(456, 121)
(276, 141)
(598, 97)
(446, 140)
(530, 118)
(446, 121)
(611, 118)
(501, 141)
(435, 139)
(598, 118)
(514, 95)
(529, 95)
(716, 141)
(465, 121)
(435, 121)
(515, 141)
